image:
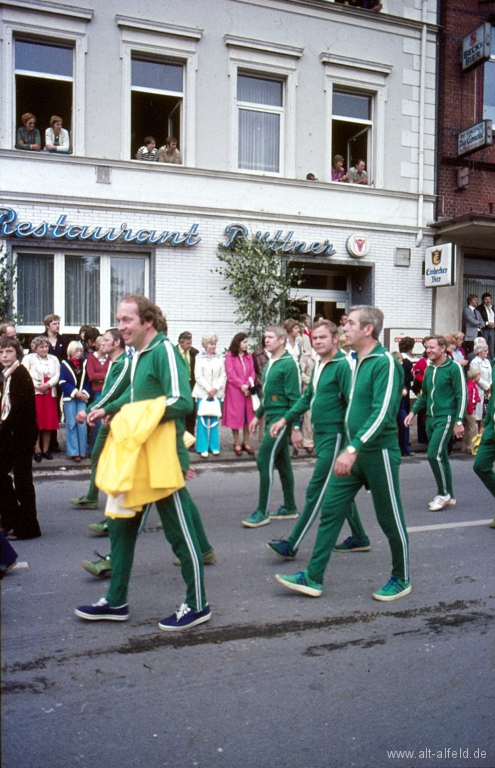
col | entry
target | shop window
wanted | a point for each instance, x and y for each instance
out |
(351, 126)
(157, 94)
(35, 297)
(260, 121)
(81, 288)
(43, 82)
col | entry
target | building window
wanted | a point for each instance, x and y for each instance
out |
(260, 109)
(489, 86)
(351, 126)
(43, 82)
(157, 94)
(81, 288)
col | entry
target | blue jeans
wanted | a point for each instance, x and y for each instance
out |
(76, 434)
(207, 433)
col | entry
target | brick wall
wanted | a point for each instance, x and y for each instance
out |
(460, 106)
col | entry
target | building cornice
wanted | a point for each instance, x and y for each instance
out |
(346, 61)
(131, 22)
(54, 9)
(252, 43)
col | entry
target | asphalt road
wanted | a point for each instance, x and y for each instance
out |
(274, 680)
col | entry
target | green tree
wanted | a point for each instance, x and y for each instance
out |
(7, 281)
(260, 282)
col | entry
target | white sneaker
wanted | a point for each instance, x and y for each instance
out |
(204, 454)
(439, 502)
(452, 503)
(216, 453)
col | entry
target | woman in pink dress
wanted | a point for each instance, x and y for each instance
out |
(237, 407)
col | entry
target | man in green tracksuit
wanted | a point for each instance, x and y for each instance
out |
(116, 382)
(326, 397)
(483, 462)
(281, 388)
(443, 393)
(156, 371)
(371, 458)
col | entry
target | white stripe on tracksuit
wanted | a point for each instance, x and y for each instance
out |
(395, 507)
(319, 501)
(194, 557)
(271, 469)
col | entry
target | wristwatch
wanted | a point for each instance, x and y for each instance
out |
(297, 429)
(350, 449)
(459, 423)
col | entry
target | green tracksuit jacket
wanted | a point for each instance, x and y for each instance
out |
(374, 401)
(443, 391)
(281, 387)
(326, 395)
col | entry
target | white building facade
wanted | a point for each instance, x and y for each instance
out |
(258, 95)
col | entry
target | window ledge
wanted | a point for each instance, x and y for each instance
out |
(139, 166)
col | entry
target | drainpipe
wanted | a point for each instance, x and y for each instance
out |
(421, 151)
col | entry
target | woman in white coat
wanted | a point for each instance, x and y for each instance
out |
(482, 364)
(209, 370)
(45, 373)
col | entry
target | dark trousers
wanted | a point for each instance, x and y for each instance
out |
(18, 498)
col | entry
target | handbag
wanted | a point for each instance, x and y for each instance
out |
(210, 408)
(253, 391)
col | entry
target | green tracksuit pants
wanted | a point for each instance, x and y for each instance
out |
(92, 494)
(439, 430)
(379, 471)
(328, 447)
(483, 462)
(274, 454)
(178, 517)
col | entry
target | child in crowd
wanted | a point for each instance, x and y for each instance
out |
(148, 151)
(470, 424)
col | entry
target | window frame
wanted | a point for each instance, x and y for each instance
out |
(271, 61)
(358, 77)
(167, 43)
(368, 123)
(53, 27)
(265, 109)
(59, 290)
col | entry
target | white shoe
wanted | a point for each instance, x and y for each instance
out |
(205, 454)
(452, 503)
(439, 502)
(216, 453)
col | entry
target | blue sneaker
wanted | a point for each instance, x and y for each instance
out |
(256, 520)
(282, 548)
(301, 582)
(184, 618)
(284, 514)
(393, 590)
(102, 611)
(352, 545)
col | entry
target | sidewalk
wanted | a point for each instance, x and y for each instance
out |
(61, 461)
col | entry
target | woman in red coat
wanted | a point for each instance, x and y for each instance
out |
(237, 407)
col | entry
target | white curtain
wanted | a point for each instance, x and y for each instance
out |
(127, 277)
(259, 141)
(34, 288)
(82, 290)
(259, 130)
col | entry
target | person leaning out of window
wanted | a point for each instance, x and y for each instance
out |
(75, 386)
(57, 138)
(169, 152)
(28, 137)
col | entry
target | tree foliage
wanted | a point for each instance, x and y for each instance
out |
(258, 279)
(7, 282)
